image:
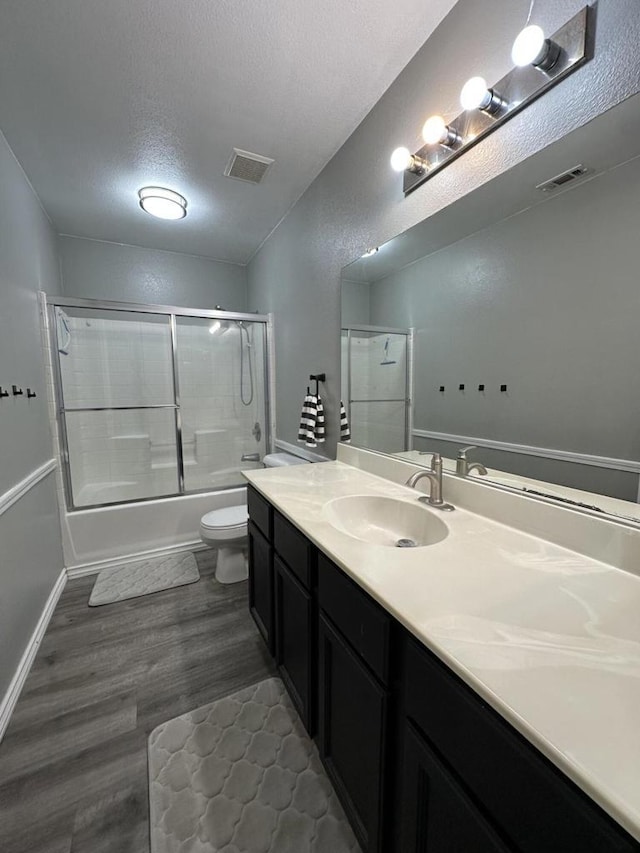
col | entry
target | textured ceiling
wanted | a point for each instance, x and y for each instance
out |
(100, 98)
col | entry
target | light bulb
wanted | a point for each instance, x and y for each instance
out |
(163, 203)
(434, 130)
(400, 159)
(475, 94)
(370, 252)
(529, 47)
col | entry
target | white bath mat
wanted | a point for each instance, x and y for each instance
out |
(241, 776)
(143, 577)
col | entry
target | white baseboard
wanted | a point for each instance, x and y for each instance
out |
(85, 569)
(10, 699)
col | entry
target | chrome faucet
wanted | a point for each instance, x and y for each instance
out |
(434, 476)
(463, 468)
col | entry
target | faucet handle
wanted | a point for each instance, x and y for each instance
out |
(462, 453)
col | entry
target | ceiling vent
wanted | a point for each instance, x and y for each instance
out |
(245, 166)
(562, 179)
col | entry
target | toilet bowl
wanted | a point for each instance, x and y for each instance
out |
(227, 529)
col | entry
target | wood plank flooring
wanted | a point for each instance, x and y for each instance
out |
(73, 763)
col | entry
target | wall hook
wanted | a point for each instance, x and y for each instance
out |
(3, 393)
(16, 391)
(317, 378)
(30, 394)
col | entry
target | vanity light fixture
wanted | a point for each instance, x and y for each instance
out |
(370, 252)
(531, 47)
(488, 107)
(476, 95)
(402, 160)
(437, 132)
(163, 203)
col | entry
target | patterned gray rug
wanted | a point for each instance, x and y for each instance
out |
(241, 776)
(143, 577)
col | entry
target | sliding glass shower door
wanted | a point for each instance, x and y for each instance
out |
(221, 386)
(156, 402)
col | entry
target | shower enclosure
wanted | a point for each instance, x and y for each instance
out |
(156, 401)
(377, 378)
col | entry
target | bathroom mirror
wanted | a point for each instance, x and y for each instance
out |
(510, 321)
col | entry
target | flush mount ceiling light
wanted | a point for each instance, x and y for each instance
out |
(476, 95)
(163, 203)
(487, 107)
(531, 47)
(437, 132)
(403, 160)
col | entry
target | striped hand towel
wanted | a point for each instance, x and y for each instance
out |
(345, 432)
(312, 429)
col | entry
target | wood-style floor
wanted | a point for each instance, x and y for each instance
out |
(73, 763)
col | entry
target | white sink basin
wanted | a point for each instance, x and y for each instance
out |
(386, 521)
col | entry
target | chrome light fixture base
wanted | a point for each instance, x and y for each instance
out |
(517, 89)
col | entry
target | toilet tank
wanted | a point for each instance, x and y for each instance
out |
(277, 460)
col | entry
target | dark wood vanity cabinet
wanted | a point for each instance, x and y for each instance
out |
(295, 641)
(354, 699)
(261, 565)
(261, 584)
(285, 613)
(468, 781)
(419, 761)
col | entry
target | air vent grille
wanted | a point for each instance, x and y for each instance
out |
(563, 178)
(245, 166)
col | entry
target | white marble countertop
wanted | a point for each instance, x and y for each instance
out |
(548, 637)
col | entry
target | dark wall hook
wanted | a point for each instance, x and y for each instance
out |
(16, 391)
(3, 393)
(30, 394)
(317, 378)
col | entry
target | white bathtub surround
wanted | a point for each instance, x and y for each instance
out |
(94, 539)
(547, 635)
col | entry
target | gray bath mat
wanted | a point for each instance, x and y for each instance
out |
(143, 577)
(241, 776)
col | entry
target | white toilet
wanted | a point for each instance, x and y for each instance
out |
(226, 529)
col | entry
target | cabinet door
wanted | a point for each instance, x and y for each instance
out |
(437, 815)
(352, 724)
(261, 584)
(295, 650)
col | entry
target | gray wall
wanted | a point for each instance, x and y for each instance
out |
(355, 303)
(357, 201)
(546, 302)
(30, 546)
(92, 269)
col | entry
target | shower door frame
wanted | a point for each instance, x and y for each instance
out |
(408, 395)
(173, 312)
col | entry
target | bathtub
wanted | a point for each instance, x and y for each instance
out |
(94, 539)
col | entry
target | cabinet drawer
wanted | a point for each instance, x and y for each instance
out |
(294, 548)
(260, 512)
(363, 622)
(534, 804)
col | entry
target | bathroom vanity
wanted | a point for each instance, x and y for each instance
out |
(468, 695)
